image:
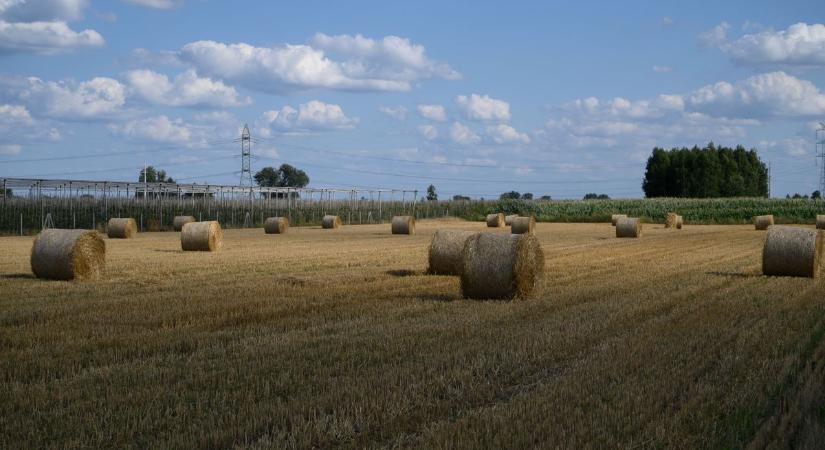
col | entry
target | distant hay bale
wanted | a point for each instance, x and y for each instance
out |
(276, 225)
(763, 222)
(201, 237)
(522, 225)
(671, 220)
(820, 222)
(331, 222)
(180, 221)
(615, 218)
(793, 252)
(121, 228)
(679, 222)
(445, 251)
(495, 220)
(508, 220)
(68, 254)
(627, 227)
(403, 225)
(501, 266)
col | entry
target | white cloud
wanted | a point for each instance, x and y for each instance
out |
(505, 134)
(662, 69)
(396, 112)
(311, 116)
(774, 93)
(159, 129)
(666, 21)
(10, 149)
(429, 132)
(188, 89)
(14, 114)
(714, 37)
(389, 64)
(432, 112)
(483, 107)
(39, 26)
(157, 4)
(800, 44)
(97, 98)
(461, 134)
(791, 146)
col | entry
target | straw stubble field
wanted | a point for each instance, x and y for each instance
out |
(323, 338)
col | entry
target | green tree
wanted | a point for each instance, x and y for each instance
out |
(460, 198)
(816, 195)
(512, 195)
(594, 196)
(527, 196)
(285, 176)
(546, 197)
(152, 175)
(431, 194)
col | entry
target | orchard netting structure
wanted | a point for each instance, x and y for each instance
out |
(29, 205)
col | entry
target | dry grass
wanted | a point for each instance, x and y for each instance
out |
(322, 339)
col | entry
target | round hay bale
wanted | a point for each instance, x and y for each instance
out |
(627, 227)
(276, 225)
(445, 251)
(508, 220)
(495, 220)
(522, 225)
(121, 228)
(331, 222)
(68, 254)
(403, 225)
(201, 236)
(820, 221)
(793, 252)
(679, 222)
(180, 221)
(671, 220)
(501, 266)
(763, 222)
(615, 218)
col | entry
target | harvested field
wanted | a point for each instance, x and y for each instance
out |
(320, 339)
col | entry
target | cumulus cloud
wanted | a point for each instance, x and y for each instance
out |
(187, 89)
(505, 134)
(311, 116)
(159, 129)
(461, 134)
(432, 112)
(791, 146)
(714, 37)
(396, 112)
(157, 4)
(39, 26)
(97, 98)
(428, 132)
(14, 114)
(388, 64)
(483, 107)
(10, 149)
(801, 45)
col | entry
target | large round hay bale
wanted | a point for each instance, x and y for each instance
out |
(763, 222)
(791, 251)
(671, 220)
(820, 221)
(180, 221)
(495, 220)
(68, 254)
(403, 225)
(276, 225)
(508, 220)
(522, 225)
(331, 222)
(615, 218)
(628, 227)
(445, 251)
(121, 228)
(201, 236)
(501, 266)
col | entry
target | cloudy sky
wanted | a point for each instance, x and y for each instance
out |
(478, 98)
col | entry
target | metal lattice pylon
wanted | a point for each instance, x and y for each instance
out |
(246, 157)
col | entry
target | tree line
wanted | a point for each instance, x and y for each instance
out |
(705, 173)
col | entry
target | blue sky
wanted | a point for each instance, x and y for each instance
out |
(478, 98)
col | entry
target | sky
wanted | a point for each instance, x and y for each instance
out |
(476, 98)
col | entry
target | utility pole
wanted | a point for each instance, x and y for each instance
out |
(246, 156)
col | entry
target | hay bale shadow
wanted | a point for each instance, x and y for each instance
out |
(168, 251)
(404, 272)
(15, 276)
(733, 274)
(440, 298)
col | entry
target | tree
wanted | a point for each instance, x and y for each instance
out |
(460, 198)
(284, 176)
(816, 195)
(512, 195)
(152, 175)
(431, 195)
(594, 196)
(527, 196)
(8, 193)
(546, 197)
